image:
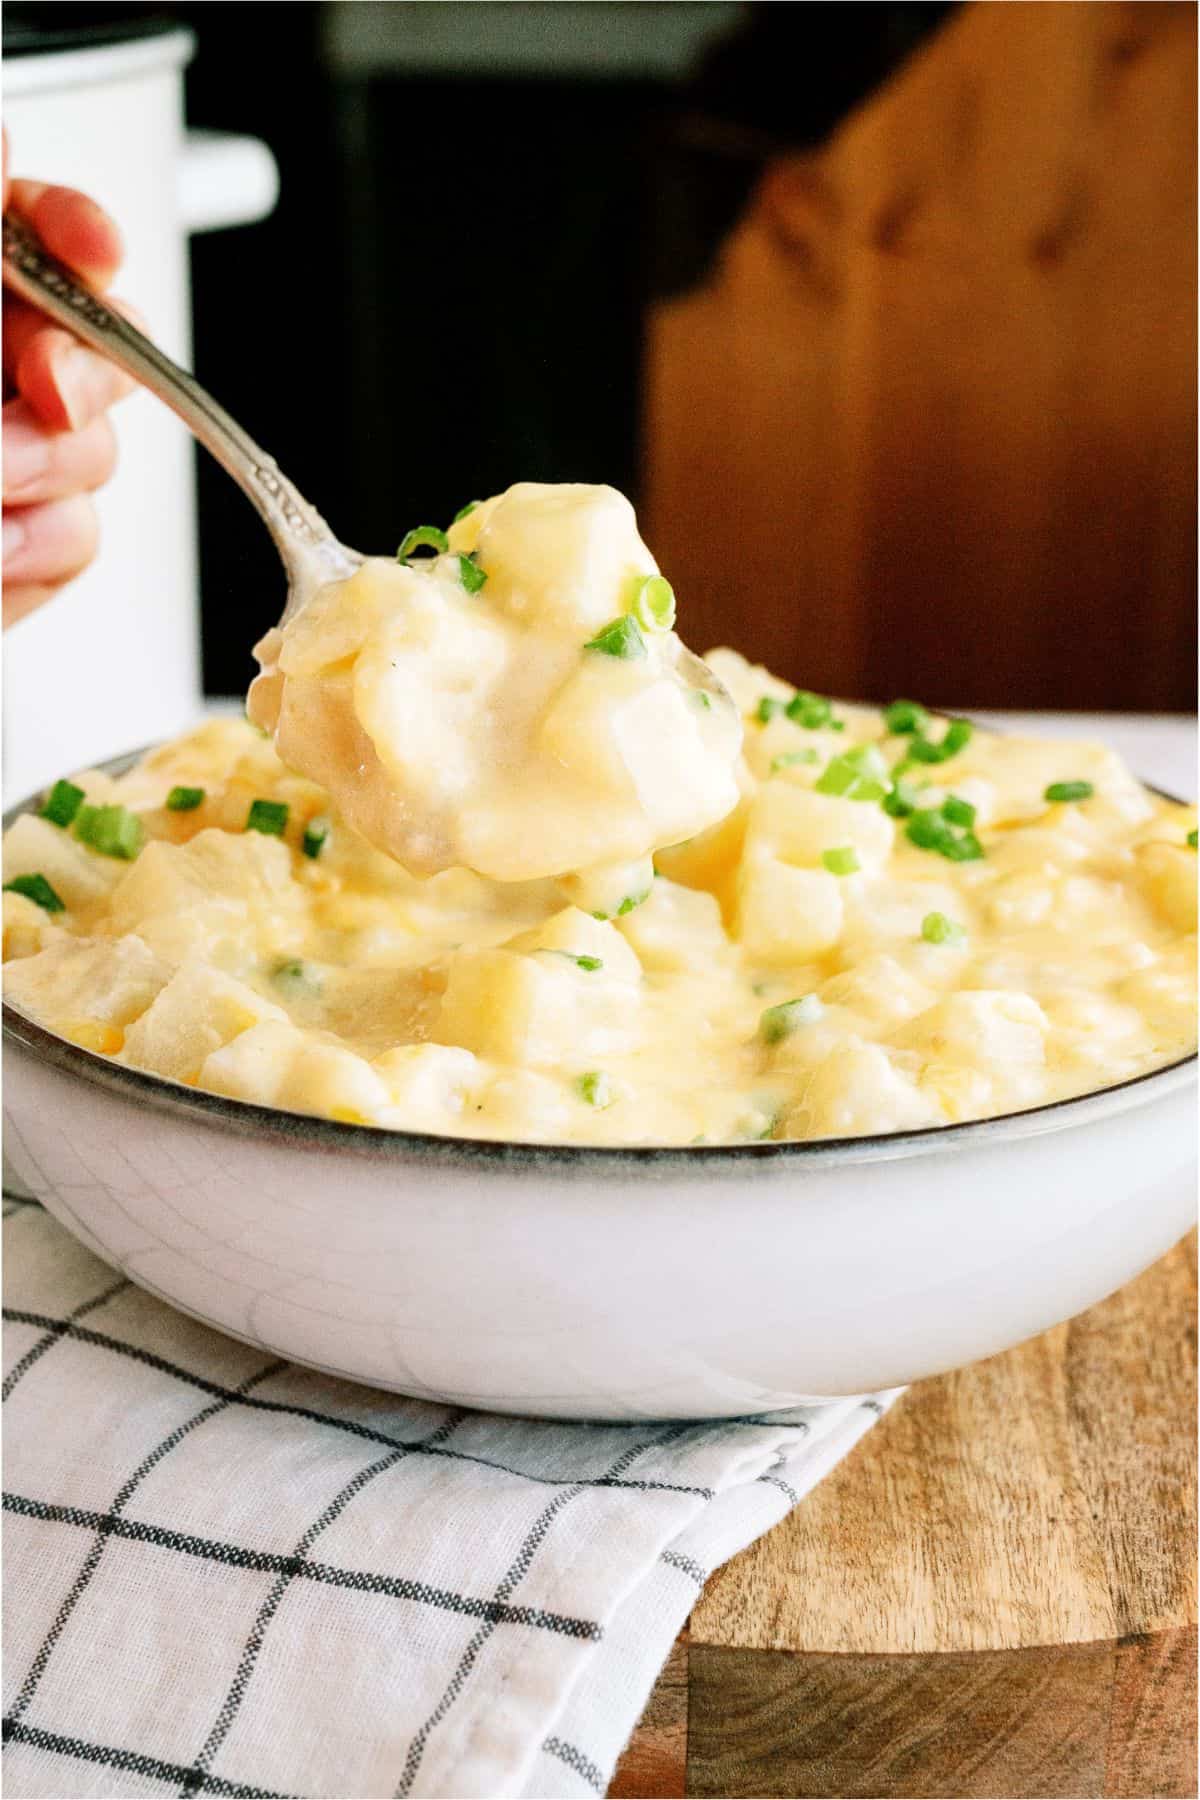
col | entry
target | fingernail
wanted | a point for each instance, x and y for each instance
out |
(79, 378)
(15, 535)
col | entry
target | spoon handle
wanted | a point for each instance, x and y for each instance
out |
(36, 276)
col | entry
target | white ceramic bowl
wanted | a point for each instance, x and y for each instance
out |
(594, 1283)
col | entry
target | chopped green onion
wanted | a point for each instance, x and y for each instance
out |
(788, 759)
(595, 1088)
(37, 889)
(841, 862)
(184, 799)
(62, 803)
(903, 800)
(767, 709)
(464, 511)
(932, 830)
(703, 700)
(112, 830)
(778, 1022)
(268, 816)
(430, 537)
(622, 638)
(958, 734)
(858, 774)
(294, 976)
(1193, 839)
(1059, 792)
(631, 901)
(315, 834)
(905, 716)
(959, 812)
(654, 603)
(587, 963)
(812, 711)
(936, 928)
(470, 573)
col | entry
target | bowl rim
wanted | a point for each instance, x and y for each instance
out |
(246, 1118)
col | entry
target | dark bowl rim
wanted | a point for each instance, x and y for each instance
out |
(309, 1131)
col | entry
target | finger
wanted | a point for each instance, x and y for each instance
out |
(24, 597)
(72, 227)
(67, 385)
(22, 322)
(39, 464)
(46, 545)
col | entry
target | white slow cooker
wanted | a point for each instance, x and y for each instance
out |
(114, 660)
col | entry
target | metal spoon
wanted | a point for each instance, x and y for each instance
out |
(311, 555)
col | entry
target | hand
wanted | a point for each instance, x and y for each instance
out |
(58, 442)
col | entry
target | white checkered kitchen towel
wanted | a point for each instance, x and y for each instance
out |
(228, 1575)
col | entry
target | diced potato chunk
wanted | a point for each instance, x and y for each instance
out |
(1165, 995)
(892, 912)
(649, 746)
(577, 933)
(799, 825)
(988, 1028)
(109, 981)
(675, 928)
(28, 927)
(710, 859)
(197, 1011)
(563, 556)
(79, 876)
(334, 1080)
(537, 1009)
(428, 1083)
(184, 898)
(521, 1104)
(786, 915)
(255, 1064)
(881, 990)
(857, 1092)
(1169, 873)
(419, 685)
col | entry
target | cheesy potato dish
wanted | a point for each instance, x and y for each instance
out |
(650, 923)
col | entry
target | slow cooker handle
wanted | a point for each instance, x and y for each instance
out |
(225, 180)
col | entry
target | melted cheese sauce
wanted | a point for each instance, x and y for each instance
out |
(647, 934)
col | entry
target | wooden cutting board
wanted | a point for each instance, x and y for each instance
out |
(994, 1595)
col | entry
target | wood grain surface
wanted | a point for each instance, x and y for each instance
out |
(930, 425)
(994, 1595)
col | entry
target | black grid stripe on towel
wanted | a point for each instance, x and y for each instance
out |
(230, 1576)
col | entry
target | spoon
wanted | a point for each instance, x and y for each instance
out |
(311, 555)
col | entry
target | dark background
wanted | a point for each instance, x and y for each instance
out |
(497, 220)
(450, 293)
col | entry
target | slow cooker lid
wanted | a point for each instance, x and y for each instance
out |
(31, 29)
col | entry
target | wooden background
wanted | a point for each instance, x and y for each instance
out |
(932, 419)
(995, 1594)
